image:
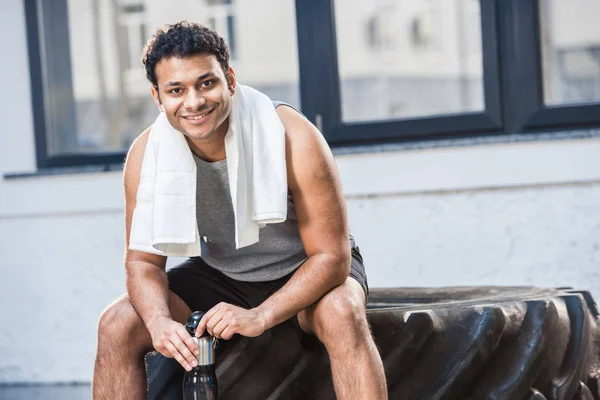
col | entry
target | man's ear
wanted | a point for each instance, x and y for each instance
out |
(156, 98)
(231, 80)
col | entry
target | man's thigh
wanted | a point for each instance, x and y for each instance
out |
(202, 287)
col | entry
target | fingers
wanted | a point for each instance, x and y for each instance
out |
(187, 347)
(213, 322)
(221, 321)
(178, 344)
(211, 318)
(189, 341)
(228, 333)
(172, 349)
(205, 318)
(219, 328)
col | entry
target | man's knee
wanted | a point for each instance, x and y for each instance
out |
(340, 316)
(120, 325)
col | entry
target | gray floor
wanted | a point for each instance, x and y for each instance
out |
(45, 392)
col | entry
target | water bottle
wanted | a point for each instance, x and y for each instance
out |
(201, 382)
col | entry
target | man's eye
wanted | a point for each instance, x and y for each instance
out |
(207, 83)
(175, 91)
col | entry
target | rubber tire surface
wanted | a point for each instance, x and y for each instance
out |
(463, 343)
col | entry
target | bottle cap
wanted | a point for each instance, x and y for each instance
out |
(193, 321)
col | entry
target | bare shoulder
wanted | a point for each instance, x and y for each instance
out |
(139, 144)
(299, 130)
(307, 152)
(133, 162)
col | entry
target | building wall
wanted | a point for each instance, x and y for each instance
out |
(471, 213)
(566, 33)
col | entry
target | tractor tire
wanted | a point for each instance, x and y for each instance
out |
(460, 343)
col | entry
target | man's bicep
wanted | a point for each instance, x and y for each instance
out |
(316, 189)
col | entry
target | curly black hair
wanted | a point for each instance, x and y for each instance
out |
(183, 39)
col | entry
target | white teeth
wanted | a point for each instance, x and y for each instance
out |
(197, 117)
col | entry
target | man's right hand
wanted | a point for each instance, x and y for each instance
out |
(172, 340)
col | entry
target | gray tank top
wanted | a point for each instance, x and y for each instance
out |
(279, 250)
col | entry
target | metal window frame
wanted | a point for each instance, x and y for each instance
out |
(320, 86)
(59, 69)
(522, 61)
(512, 77)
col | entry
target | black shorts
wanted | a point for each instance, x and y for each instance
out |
(202, 287)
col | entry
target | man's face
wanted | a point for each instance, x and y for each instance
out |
(194, 94)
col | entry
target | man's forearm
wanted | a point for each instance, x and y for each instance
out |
(148, 291)
(317, 276)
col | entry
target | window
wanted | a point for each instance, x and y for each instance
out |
(400, 70)
(91, 98)
(551, 64)
(221, 18)
(133, 34)
(570, 40)
(421, 65)
(92, 103)
(395, 70)
(425, 23)
(364, 72)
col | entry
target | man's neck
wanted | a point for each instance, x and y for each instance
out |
(211, 150)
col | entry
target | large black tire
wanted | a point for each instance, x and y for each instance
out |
(464, 343)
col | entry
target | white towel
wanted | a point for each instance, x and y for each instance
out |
(164, 220)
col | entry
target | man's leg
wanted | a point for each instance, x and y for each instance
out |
(339, 321)
(123, 340)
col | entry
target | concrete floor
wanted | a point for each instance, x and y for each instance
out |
(45, 392)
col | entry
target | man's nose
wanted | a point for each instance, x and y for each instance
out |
(194, 100)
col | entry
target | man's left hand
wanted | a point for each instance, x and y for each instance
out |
(224, 320)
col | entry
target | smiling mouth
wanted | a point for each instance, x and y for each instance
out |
(197, 117)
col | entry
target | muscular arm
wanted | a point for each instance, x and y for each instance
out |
(146, 279)
(145, 274)
(321, 211)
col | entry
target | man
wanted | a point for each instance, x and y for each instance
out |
(302, 271)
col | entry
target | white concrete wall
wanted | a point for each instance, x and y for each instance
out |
(518, 214)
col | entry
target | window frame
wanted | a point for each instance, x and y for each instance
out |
(514, 105)
(59, 67)
(321, 96)
(522, 61)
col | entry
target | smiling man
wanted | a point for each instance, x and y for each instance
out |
(305, 271)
